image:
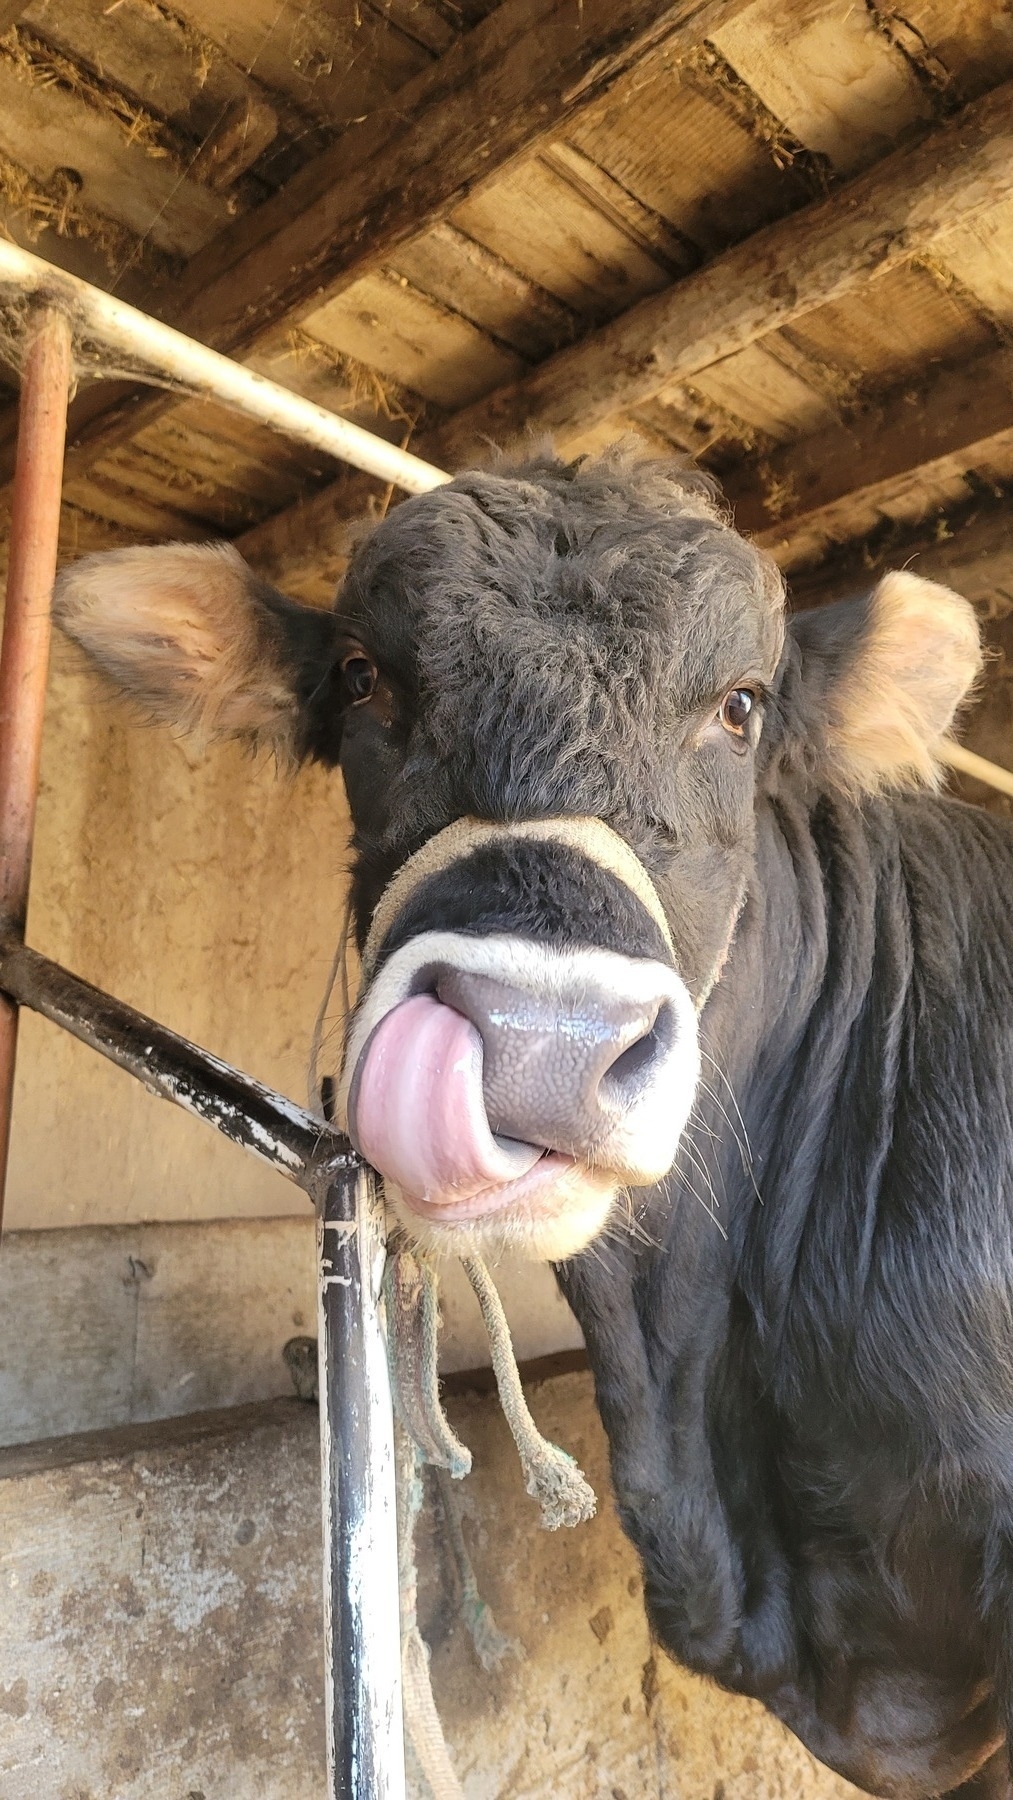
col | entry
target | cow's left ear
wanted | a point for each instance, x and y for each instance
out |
(201, 643)
(877, 682)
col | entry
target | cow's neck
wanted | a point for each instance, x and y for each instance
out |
(807, 1027)
(820, 956)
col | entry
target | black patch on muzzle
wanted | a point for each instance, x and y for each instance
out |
(545, 892)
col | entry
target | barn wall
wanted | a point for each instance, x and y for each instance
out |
(108, 1325)
(206, 891)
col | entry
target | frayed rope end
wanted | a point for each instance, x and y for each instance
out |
(554, 1480)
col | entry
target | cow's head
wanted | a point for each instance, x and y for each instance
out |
(560, 691)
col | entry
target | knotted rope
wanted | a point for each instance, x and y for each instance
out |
(423, 1434)
(423, 1730)
(551, 1475)
(491, 1644)
(413, 1323)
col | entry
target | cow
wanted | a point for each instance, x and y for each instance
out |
(695, 986)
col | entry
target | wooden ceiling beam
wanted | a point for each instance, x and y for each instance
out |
(511, 83)
(939, 427)
(969, 548)
(822, 253)
(819, 254)
(514, 81)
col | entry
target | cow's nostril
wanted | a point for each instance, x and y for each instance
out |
(624, 1079)
(568, 1064)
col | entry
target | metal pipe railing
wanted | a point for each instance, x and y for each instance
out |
(362, 1694)
(362, 1612)
(162, 354)
(24, 652)
(300, 1147)
(362, 1665)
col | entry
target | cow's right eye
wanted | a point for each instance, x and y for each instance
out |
(735, 709)
(360, 676)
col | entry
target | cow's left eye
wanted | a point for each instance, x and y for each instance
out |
(735, 709)
(360, 676)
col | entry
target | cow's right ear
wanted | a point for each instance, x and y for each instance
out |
(201, 643)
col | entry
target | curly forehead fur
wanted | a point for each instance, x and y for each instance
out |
(561, 620)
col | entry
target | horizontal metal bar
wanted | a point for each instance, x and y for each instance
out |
(301, 1147)
(164, 353)
(970, 763)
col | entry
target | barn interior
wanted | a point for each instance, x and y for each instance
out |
(774, 237)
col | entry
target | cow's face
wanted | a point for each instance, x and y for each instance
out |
(553, 695)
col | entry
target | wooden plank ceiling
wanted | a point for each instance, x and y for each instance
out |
(773, 235)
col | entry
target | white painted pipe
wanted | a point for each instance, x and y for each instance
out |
(167, 354)
(969, 763)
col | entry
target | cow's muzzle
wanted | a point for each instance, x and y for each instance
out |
(507, 1089)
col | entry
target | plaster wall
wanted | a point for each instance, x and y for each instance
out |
(206, 891)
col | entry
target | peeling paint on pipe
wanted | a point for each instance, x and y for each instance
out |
(299, 1146)
(165, 356)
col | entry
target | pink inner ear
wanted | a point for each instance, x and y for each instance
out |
(182, 630)
(919, 657)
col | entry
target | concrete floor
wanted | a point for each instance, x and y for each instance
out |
(160, 1627)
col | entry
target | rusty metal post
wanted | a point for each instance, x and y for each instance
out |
(24, 655)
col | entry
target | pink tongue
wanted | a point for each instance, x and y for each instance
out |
(419, 1114)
